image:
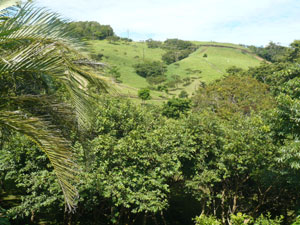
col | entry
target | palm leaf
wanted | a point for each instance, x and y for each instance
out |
(52, 143)
(33, 41)
(48, 52)
(4, 4)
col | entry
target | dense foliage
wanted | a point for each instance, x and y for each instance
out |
(229, 155)
(153, 71)
(176, 50)
(272, 52)
(90, 30)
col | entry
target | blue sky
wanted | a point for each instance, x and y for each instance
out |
(254, 22)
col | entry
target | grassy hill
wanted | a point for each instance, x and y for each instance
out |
(220, 56)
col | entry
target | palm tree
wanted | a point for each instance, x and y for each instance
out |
(36, 59)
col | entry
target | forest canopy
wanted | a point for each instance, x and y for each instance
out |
(90, 30)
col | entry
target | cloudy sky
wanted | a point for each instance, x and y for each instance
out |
(237, 21)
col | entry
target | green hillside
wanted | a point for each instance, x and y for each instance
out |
(220, 56)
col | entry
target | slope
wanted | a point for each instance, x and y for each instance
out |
(220, 56)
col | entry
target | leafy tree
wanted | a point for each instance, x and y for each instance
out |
(97, 57)
(114, 71)
(150, 69)
(281, 78)
(172, 56)
(176, 79)
(206, 220)
(153, 44)
(177, 50)
(156, 79)
(233, 94)
(233, 70)
(293, 53)
(175, 107)
(37, 60)
(90, 30)
(229, 156)
(178, 44)
(183, 94)
(144, 94)
(272, 52)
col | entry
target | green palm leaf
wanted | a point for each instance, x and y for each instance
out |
(53, 144)
(34, 43)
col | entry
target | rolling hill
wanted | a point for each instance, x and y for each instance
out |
(124, 55)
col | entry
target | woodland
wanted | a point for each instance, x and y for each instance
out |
(72, 152)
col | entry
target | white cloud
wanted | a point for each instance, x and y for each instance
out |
(239, 21)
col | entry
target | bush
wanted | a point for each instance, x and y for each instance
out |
(240, 219)
(232, 70)
(156, 80)
(97, 57)
(183, 94)
(175, 107)
(150, 69)
(144, 94)
(153, 44)
(206, 220)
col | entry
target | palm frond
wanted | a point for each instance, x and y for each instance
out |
(4, 4)
(52, 143)
(49, 51)
(34, 42)
(30, 23)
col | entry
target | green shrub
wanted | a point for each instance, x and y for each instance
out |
(206, 220)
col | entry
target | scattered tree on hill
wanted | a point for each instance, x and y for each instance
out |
(177, 50)
(114, 72)
(178, 44)
(183, 94)
(172, 56)
(152, 71)
(144, 94)
(176, 79)
(153, 44)
(97, 57)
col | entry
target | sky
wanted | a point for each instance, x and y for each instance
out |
(250, 22)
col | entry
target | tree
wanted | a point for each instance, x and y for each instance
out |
(233, 70)
(233, 94)
(272, 52)
(183, 94)
(150, 69)
(153, 44)
(90, 30)
(175, 107)
(178, 44)
(114, 71)
(37, 65)
(144, 94)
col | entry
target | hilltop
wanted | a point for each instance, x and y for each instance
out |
(206, 64)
